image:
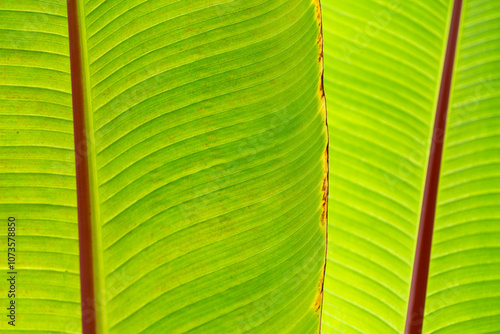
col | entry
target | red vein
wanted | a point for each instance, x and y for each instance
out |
(82, 174)
(418, 292)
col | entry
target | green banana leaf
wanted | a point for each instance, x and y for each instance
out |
(206, 149)
(37, 170)
(207, 165)
(463, 295)
(383, 65)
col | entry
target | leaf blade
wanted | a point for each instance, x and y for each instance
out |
(384, 62)
(37, 168)
(463, 275)
(208, 121)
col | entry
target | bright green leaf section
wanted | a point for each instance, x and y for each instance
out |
(37, 168)
(383, 65)
(464, 286)
(210, 139)
(208, 156)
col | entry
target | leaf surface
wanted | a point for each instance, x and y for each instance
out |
(206, 129)
(463, 295)
(37, 170)
(383, 68)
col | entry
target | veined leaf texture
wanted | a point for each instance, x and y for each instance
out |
(384, 68)
(198, 199)
(201, 137)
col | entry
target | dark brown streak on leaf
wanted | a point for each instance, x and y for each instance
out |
(324, 216)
